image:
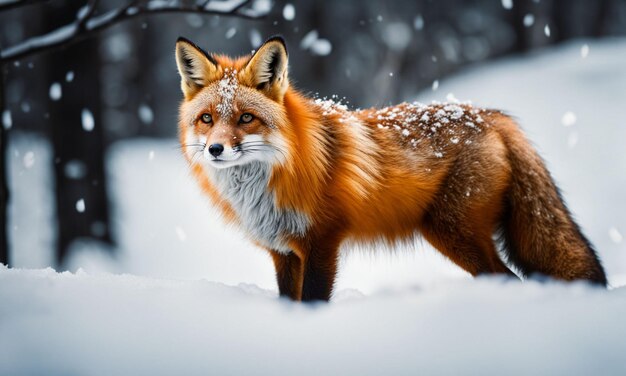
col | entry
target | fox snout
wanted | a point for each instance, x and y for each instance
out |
(215, 149)
(222, 155)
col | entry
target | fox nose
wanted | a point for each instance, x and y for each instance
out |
(216, 149)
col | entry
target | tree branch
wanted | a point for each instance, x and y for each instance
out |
(10, 4)
(88, 24)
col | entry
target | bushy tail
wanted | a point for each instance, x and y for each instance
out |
(538, 231)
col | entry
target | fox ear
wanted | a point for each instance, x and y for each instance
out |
(267, 68)
(196, 67)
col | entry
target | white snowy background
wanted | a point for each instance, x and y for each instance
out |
(186, 295)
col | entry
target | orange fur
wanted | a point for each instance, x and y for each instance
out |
(445, 171)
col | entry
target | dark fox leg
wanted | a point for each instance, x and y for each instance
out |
(476, 256)
(289, 274)
(320, 271)
(463, 217)
(307, 275)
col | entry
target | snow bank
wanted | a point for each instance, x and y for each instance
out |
(81, 324)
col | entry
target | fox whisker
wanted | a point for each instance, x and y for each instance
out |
(262, 148)
(190, 145)
(261, 144)
(196, 155)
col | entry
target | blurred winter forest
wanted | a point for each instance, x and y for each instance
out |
(100, 76)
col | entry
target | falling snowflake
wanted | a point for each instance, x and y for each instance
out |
(615, 235)
(418, 22)
(55, 91)
(145, 114)
(7, 120)
(529, 20)
(75, 169)
(182, 236)
(289, 12)
(568, 119)
(230, 33)
(321, 47)
(80, 205)
(572, 139)
(87, 120)
(584, 51)
(29, 159)
(255, 38)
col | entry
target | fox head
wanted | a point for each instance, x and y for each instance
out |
(232, 109)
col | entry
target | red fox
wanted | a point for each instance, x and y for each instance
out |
(300, 176)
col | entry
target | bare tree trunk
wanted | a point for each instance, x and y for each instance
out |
(523, 34)
(603, 14)
(78, 142)
(4, 190)
(561, 12)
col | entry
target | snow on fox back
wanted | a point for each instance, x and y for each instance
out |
(438, 125)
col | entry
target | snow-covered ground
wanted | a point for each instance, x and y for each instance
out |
(406, 312)
(80, 324)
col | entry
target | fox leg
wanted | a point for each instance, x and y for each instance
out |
(289, 274)
(320, 270)
(476, 256)
(464, 234)
(462, 219)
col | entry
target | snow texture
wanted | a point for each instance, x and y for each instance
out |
(84, 324)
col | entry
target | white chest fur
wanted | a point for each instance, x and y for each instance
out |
(246, 188)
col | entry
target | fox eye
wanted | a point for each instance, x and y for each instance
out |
(246, 118)
(206, 118)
